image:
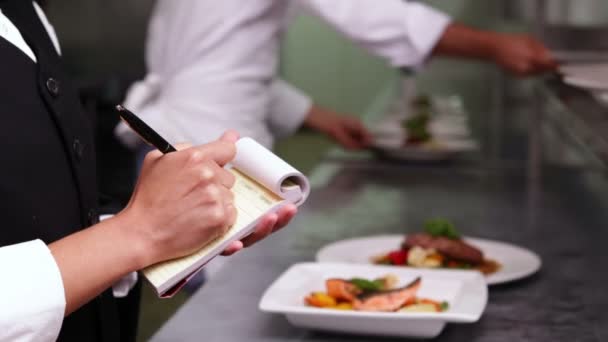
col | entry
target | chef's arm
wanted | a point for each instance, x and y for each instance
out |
(517, 53)
(407, 33)
(290, 108)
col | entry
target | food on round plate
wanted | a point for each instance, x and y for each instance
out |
(379, 295)
(417, 125)
(417, 128)
(439, 246)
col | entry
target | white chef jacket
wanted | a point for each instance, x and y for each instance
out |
(32, 297)
(212, 64)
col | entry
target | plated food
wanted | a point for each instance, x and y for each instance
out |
(466, 292)
(377, 295)
(417, 126)
(433, 129)
(438, 246)
(515, 262)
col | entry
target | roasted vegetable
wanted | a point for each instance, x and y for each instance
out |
(398, 258)
(420, 308)
(320, 300)
(344, 306)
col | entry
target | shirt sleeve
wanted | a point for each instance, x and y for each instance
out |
(402, 32)
(288, 108)
(33, 298)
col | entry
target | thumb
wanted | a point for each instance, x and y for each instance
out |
(230, 136)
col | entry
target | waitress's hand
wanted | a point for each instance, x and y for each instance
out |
(183, 201)
(522, 55)
(347, 131)
(268, 225)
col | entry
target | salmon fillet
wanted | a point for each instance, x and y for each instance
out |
(387, 301)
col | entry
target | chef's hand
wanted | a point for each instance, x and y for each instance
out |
(346, 131)
(522, 55)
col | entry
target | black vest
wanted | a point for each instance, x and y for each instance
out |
(47, 163)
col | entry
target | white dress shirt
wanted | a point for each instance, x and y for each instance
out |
(32, 296)
(32, 301)
(212, 64)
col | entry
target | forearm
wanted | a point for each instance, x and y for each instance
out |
(459, 40)
(93, 259)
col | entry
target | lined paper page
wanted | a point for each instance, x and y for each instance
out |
(252, 201)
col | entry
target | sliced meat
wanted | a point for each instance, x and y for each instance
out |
(387, 301)
(453, 249)
(341, 290)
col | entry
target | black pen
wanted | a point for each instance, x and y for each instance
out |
(145, 132)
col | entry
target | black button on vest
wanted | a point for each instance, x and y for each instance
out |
(78, 149)
(52, 85)
(47, 173)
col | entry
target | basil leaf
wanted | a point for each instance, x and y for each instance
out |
(441, 227)
(367, 285)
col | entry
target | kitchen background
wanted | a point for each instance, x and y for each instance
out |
(103, 41)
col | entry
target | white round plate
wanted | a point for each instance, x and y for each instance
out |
(583, 69)
(442, 150)
(593, 76)
(588, 83)
(517, 262)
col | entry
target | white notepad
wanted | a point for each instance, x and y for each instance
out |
(264, 183)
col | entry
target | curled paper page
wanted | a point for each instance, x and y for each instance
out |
(271, 171)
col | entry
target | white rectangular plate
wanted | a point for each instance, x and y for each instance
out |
(466, 292)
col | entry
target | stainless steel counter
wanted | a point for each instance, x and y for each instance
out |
(563, 218)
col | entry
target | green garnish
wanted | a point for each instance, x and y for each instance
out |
(444, 306)
(417, 127)
(368, 285)
(441, 227)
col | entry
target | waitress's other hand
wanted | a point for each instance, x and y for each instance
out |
(522, 55)
(268, 225)
(182, 200)
(347, 131)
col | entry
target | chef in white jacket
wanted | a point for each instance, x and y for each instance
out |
(212, 65)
